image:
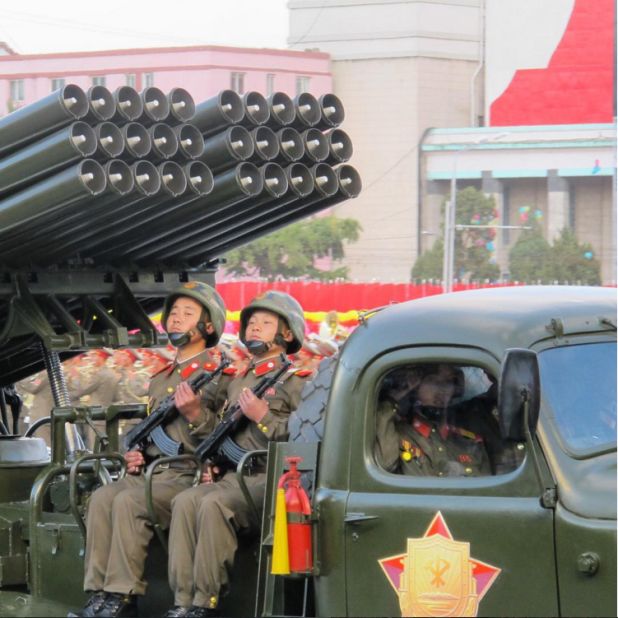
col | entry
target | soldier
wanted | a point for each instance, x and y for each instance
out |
(41, 402)
(412, 433)
(132, 386)
(207, 520)
(118, 526)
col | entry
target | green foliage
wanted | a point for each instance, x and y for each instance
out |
(473, 258)
(533, 259)
(529, 256)
(292, 250)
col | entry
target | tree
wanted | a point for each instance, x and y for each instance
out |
(573, 262)
(473, 247)
(529, 256)
(292, 250)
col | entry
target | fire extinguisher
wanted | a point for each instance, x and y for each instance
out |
(292, 547)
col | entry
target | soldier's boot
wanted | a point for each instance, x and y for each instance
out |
(92, 607)
(118, 606)
(201, 612)
(178, 611)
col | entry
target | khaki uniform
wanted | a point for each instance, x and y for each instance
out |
(418, 447)
(118, 526)
(206, 520)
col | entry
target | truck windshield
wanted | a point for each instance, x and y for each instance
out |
(579, 386)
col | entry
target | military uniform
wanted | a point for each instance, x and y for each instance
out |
(207, 519)
(418, 447)
(118, 525)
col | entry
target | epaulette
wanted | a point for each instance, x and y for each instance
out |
(467, 434)
(302, 373)
(230, 371)
(264, 367)
(189, 370)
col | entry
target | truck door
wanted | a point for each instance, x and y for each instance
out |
(444, 545)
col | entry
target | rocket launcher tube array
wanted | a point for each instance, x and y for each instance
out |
(128, 177)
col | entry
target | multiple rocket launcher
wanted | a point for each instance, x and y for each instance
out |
(145, 178)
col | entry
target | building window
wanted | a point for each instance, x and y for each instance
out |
(237, 82)
(302, 84)
(98, 80)
(130, 80)
(17, 90)
(148, 80)
(270, 83)
(57, 84)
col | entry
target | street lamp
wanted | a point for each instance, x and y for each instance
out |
(450, 216)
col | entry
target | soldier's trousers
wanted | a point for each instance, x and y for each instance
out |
(206, 523)
(119, 529)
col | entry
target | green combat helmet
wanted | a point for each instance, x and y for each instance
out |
(285, 307)
(212, 302)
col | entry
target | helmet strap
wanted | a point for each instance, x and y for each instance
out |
(178, 340)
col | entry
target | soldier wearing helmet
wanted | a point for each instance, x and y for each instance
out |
(415, 434)
(207, 520)
(118, 527)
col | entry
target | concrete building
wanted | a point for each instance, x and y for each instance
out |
(203, 71)
(411, 70)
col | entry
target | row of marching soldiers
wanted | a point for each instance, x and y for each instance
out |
(104, 376)
(204, 521)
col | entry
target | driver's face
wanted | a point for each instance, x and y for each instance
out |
(435, 391)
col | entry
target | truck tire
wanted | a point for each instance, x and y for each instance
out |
(306, 423)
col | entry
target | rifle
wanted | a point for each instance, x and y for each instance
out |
(209, 447)
(150, 429)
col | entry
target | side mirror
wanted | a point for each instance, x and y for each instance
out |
(519, 383)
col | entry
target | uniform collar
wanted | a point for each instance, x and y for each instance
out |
(425, 428)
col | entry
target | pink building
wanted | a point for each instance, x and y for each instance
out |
(202, 70)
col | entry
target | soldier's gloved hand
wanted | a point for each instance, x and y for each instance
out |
(187, 402)
(135, 461)
(252, 407)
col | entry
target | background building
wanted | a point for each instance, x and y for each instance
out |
(542, 73)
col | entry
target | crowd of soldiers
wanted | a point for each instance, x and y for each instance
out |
(104, 376)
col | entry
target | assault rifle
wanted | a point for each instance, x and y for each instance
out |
(151, 430)
(210, 446)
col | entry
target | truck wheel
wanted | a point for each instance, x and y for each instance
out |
(306, 423)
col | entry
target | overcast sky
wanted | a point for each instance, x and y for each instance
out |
(45, 26)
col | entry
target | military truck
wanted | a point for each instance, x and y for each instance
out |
(534, 535)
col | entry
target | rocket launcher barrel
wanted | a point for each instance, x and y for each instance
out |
(348, 185)
(256, 109)
(190, 142)
(32, 122)
(275, 185)
(230, 187)
(308, 112)
(339, 147)
(218, 112)
(227, 148)
(155, 105)
(282, 111)
(332, 112)
(265, 145)
(164, 141)
(78, 183)
(291, 147)
(101, 104)
(129, 105)
(316, 146)
(43, 158)
(181, 104)
(137, 141)
(110, 142)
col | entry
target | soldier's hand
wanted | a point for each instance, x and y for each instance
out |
(187, 402)
(252, 407)
(135, 461)
(209, 475)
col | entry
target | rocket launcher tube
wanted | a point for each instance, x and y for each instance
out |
(218, 112)
(282, 111)
(256, 110)
(33, 122)
(41, 159)
(155, 106)
(181, 104)
(190, 142)
(129, 105)
(101, 104)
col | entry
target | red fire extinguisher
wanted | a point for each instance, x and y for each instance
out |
(292, 548)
